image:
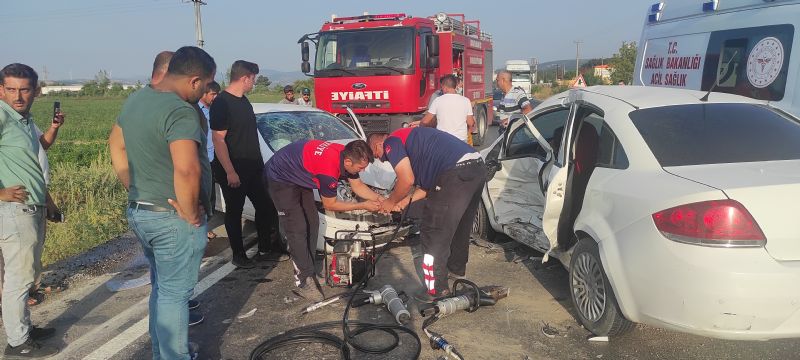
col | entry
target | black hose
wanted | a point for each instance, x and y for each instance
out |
(315, 334)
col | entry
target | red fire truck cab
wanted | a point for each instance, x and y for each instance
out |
(386, 67)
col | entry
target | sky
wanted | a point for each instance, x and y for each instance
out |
(78, 38)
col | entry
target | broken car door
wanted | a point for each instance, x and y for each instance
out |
(514, 191)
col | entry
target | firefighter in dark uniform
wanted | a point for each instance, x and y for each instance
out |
(450, 174)
(292, 174)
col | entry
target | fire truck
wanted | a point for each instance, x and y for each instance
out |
(385, 67)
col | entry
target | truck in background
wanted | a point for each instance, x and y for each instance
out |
(385, 67)
(521, 75)
(741, 47)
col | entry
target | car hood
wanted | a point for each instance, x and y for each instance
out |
(768, 190)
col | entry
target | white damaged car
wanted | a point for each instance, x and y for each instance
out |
(280, 125)
(667, 208)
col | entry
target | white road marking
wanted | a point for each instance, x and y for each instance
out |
(141, 327)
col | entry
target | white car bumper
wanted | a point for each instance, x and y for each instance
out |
(725, 293)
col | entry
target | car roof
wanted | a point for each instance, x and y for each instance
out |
(648, 96)
(260, 108)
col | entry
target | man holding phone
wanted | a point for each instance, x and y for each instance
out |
(22, 199)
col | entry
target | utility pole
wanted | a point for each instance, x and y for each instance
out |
(577, 56)
(198, 22)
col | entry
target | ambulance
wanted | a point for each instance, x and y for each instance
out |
(740, 47)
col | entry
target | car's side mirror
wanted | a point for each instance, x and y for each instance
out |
(304, 50)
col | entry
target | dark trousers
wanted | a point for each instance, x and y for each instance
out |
(448, 214)
(251, 187)
(299, 222)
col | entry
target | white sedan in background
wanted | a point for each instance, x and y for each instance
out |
(667, 210)
(282, 124)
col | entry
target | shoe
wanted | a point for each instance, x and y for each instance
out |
(272, 256)
(308, 290)
(30, 349)
(194, 351)
(195, 317)
(423, 296)
(38, 333)
(243, 263)
(193, 304)
(454, 277)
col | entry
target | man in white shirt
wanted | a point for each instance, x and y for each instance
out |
(452, 112)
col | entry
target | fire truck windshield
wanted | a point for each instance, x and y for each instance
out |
(365, 52)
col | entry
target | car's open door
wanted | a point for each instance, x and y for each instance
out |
(556, 184)
(356, 124)
(515, 197)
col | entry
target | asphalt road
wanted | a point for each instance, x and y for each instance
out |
(243, 308)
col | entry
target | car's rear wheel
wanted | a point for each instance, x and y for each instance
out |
(592, 294)
(481, 228)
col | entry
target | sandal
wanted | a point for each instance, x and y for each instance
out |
(35, 298)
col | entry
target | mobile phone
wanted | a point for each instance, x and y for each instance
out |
(56, 110)
(56, 217)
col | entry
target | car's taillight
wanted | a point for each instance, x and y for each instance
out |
(724, 223)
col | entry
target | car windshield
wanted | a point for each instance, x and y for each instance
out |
(365, 52)
(699, 134)
(523, 76)
(283, 128)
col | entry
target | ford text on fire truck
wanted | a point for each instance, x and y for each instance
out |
(741, 47)
(386, 67)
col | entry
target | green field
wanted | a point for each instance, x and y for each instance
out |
(83, 183)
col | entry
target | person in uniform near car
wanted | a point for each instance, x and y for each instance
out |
(305, 99)
(515, 101)
(450, 175)
(292, 174)
(288, 95)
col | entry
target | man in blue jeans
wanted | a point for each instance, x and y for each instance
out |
(158, 150)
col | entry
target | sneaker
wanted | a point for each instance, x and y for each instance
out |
(30, 349)
(276, 256)
(454, 277)
(195, 317)
(307, 290)
(38, 333)
(423, 296)
(243, 263)
(193, 304)
(194, 351)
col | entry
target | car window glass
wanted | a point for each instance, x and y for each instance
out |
(551, 126)
(283, 128)
(521, 143)
(752, 62)
(696, 134)
(610, 153)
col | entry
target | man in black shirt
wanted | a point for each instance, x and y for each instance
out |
(238, 164)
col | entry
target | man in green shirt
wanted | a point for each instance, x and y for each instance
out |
(22, 211)
(158, 150)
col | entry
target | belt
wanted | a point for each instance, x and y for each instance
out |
(147, 207)
(23, 206)
(469, 162)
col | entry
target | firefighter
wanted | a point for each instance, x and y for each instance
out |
(450, 174)
(292, 174)
(515, 100)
